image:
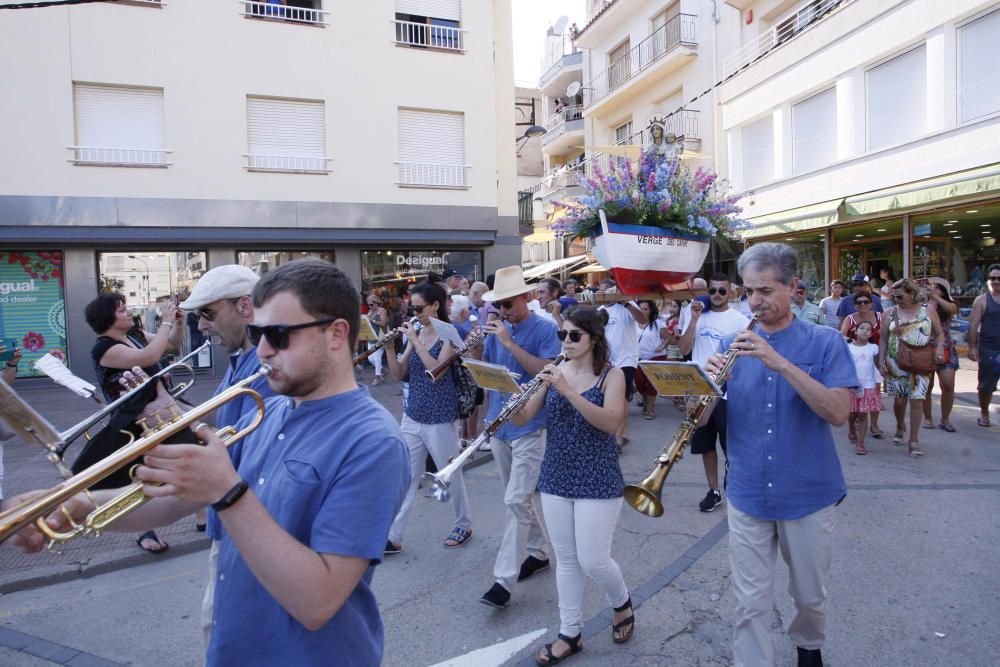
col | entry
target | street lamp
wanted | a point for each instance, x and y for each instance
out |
(139, 259)
(531, 132)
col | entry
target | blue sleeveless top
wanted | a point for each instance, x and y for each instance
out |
(430, 402)
(581, 461)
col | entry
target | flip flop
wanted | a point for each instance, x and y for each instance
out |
(930, 426)
(947, 427)
(985, 423)
(150, 535)
(898, 438)
(877, 433)
(860, 450)
(914, 448)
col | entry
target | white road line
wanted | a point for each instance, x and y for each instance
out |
(493, 656)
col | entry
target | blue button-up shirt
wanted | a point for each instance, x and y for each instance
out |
(332, 473)
(537, 337)
(783, 461)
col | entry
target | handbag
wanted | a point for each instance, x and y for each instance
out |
(917, 359)
(465, 388)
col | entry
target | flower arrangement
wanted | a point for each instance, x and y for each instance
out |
(661, 192)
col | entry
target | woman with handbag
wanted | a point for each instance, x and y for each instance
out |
(863, 313)
(939, 298)
(430, 417)
(906, 358)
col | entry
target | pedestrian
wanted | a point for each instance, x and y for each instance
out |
(701, 339)
(939, 298)
(912, 323)
(829, 305)
(581, 482)
(866, 399)
(623, 340)
(651, 348)
(430, 420)
(888, 276)
(523, 343)
(859, 285)
(379, 318)
(984, 342)
(791, 381)
(804, 309)
(863, 303)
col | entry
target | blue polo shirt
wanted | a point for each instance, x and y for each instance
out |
(537, 337)
(783, 462)
(241, 366)
(846, 306)
(332, 473)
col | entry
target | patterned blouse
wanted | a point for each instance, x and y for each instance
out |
(915, 331)
(430, 402)
(581, 461)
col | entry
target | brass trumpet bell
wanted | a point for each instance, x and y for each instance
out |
(645, 496)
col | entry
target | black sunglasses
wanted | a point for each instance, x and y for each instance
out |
(207, 314)
(504, 304)
(861, 302)
(575, 335)
(413, 310)
(994, 277)
(718, 290)
(279, 335)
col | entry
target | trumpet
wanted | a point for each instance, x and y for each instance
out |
(28, 423)
(440, 480)
(645, 496)
(390, 337)
(472, 341)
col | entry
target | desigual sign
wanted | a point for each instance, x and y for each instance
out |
(419, 261)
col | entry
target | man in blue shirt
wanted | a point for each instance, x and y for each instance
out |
(791, 381)
(859, 285)
(328, 470)
(524, 343)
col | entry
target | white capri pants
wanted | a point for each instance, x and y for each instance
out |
(581, 531)
(441, 441)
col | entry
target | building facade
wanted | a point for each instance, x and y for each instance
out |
(155, 141)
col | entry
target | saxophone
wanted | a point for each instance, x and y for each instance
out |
(645, 496)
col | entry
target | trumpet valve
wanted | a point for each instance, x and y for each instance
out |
(143, 424)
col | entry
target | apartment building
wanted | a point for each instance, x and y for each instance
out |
(148, 142)
(867, 133)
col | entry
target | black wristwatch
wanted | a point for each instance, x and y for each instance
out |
(232, 495)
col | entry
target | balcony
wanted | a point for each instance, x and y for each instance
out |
(792, 25)
(119, 157)
(428, 36)
(267, 11)
(665, 50)
(432, 175)
(564, 70)
(299, 164)
(565, 128)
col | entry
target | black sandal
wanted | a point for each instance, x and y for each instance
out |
(150, 535)
(550, 658)
(626, 627)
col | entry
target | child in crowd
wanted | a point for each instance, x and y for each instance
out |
(866, 400)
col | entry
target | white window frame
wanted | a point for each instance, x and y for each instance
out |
(796, 167)
(434, 174)
(993, 13)
(87, 153)
(288, 160)
(923, 98)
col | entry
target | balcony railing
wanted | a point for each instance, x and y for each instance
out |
(525, 208)
(678, 30)
(432, 174)
(131, 157)
(426, 36)
(295, 163)
(564, 115)
(267, 10)
(804, 16)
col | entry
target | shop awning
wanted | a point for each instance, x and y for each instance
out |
(802, 219)
(540, 235)
(982, 181)
(554, 266)
(590, 268)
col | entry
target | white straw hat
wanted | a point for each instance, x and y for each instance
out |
(509, 282)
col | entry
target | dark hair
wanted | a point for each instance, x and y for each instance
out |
(992, 267)
(836, 282)
(550, 284)
(720, 277)
(100, 313)
(434, 277)
(323, 291)
(592, 321)
(431, 292)
(945, 317)
(490, 280)
(890, 272)
(654, 312)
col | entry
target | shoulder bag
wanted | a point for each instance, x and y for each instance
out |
(917, 359)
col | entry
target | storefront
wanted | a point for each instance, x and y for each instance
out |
(32, 305)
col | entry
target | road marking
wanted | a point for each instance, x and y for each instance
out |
(495, 655)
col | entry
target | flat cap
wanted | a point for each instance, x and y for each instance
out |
(223, 282)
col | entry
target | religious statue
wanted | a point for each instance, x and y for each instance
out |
(663, 142)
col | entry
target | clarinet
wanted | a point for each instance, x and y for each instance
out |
(390, 337)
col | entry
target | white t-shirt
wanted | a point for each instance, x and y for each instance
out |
(649, 339)
(535, 307)
(622, 333)
(864, 364)
(712, 328)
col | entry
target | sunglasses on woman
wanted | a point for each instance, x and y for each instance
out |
(575, 335)
(861, 302)
(413, 310)
(279, 335)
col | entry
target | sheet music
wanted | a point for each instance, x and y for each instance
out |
(448, 332)
(57, 370)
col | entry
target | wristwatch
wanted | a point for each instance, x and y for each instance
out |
(232, 495)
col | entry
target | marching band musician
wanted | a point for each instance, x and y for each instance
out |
(222, 303)
(784, 479)
(523, 344)
(327, 467)
(580, 480)
(430, 420)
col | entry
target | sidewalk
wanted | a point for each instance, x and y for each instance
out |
(26, 468)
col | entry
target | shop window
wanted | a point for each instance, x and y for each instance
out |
(979, 67)
(811, 253)
(867, 248)
(405, 267)
(897, 99)
(262, 261)
(32, 305)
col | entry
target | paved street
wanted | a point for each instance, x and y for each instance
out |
(913, 580)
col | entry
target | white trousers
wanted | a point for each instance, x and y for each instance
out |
(208, 603)
(441, 441)
(520, 461)
(581, 531)
(376, 359)
(805, 546)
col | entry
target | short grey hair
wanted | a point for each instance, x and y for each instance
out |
(777, 256)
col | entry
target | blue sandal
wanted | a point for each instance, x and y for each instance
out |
(458, 537)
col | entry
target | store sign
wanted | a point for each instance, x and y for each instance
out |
(32, 311)
(922, 230)
(421, 261)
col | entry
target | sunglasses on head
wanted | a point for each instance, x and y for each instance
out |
(279, 335)
(575, 335)
(718, 290)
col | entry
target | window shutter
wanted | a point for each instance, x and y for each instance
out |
(119, 125)
(979, 67)
(897, 99)
(431, 147)
(438, 9)
(286, 134)
(758, 152)
(814, 130)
